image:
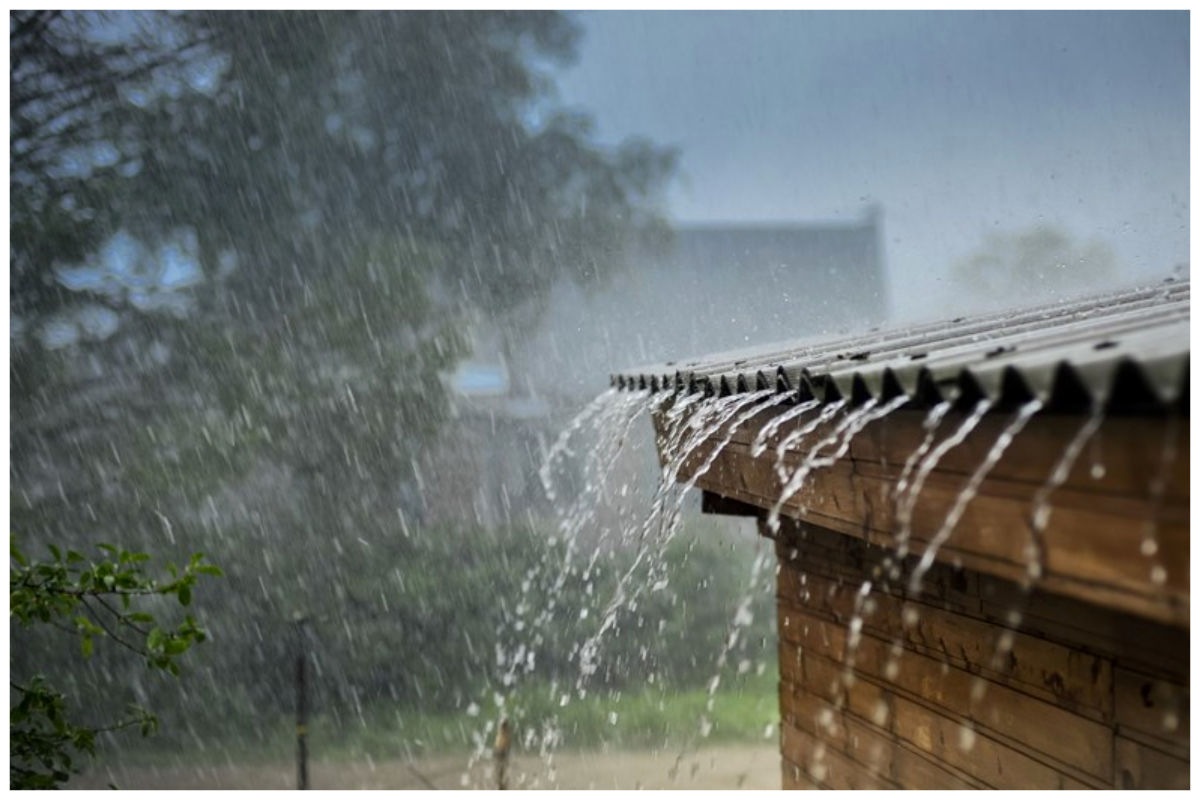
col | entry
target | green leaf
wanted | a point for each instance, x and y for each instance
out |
(185, 595)
(140, 616)
(210, 569)
(58, 556)
(87, 645)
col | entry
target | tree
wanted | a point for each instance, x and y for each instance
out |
(1042, 259)
(352, 185)
(69, 115)
(98, 599)
(312, 130)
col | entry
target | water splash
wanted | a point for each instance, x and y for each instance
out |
(560, 446)
(1168, 453)
(853, 638)
(1040, 508)
(754, 404)
(907, 502)
(705, 422)
(603, 426)
(931, 423)
(793, 439)
(741, 619)
(759, 445)
(968, 492)
(928, 457)
(841, 438)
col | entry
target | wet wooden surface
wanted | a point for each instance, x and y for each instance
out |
(923, 701)
(1117, 536)
(938, 689)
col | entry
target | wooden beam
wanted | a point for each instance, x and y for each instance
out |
(1118, 535)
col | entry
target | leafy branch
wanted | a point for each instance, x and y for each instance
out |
(93, 599)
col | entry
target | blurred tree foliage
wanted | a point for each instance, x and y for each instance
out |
(1005, 265)
(312, 160)
(91, 599)
(284, 139)
(353, 186)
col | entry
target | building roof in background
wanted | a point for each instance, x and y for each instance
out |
(1125, 350)
(819, 268)
(711, 287)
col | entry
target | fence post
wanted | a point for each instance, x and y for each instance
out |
(500, 752)
(301, 706)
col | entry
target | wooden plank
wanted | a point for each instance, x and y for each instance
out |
(992, 762)
(1158, 649)
(868, 744)
(1153, 710)
(1128, 450)
(810, 549)
(825, 764)
(794, 777)
(1078, 681)
(1090, 538)
(1068, 738)
(1094, 553)
(983, 757)
(1141, 767)
(1149, 647)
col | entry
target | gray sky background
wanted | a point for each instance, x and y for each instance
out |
(958, 123)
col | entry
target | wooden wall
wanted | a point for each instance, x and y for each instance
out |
(1096, 540)
(1086, 697)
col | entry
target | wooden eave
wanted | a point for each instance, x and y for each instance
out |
(1113, 538)
(1094, 540)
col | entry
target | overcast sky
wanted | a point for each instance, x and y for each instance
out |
(957, 123)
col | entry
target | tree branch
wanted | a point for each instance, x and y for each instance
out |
(108, 631)
(120, 617)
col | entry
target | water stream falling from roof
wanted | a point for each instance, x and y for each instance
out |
(793, 440)
(968, 491)
(693, 432)
(1039, 519)
(602, 429)
(907, 501)
(840, 439)
(710, 416)
(754, 404)
(759, 446)
(1041, 509)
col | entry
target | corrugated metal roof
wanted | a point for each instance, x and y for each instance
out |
(1126, 350)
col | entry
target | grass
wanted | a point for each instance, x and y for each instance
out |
(649, 717)
(610, 719)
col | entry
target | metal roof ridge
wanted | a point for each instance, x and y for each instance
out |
(1126, 350)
